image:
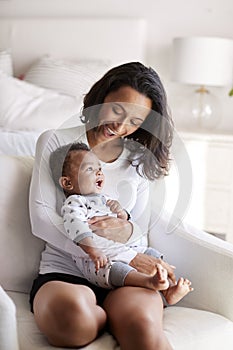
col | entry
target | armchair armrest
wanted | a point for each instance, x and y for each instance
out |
(206, 260)
(8, 323)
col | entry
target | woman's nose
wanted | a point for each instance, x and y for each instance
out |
(120, 127)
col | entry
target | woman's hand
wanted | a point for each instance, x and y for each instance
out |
(112, 228)
(147, 264)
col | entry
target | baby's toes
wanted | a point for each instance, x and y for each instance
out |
(188, 284)
(180, 282)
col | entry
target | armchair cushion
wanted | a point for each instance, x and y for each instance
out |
(185, 328)
(193, 329)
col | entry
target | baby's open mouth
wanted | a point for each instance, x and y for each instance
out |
(99, 183)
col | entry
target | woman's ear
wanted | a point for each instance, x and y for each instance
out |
(66, 183)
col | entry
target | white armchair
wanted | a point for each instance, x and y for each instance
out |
(202, 320)
(195, 323)
(8, 324)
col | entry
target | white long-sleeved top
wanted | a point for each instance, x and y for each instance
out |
(121, 183)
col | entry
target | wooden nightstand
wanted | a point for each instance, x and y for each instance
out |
(211, 204)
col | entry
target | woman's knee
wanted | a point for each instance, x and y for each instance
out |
(138, 322)
(142, 309)
(75, 326)
(144, 321)
(69, 319)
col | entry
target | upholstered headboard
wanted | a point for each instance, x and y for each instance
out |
(116, 40)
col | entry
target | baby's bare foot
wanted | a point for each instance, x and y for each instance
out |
(159, 281)
(175, 293)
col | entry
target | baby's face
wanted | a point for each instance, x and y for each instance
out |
(85, 173)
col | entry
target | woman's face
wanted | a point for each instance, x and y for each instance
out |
(121, 114)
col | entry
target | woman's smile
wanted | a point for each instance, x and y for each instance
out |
(109, 132)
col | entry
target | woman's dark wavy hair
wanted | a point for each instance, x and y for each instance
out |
(150, 152)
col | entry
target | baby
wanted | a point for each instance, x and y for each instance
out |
(77, 170)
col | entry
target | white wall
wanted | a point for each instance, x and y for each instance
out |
(166, 19)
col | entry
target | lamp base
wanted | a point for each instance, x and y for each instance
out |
(204, 109)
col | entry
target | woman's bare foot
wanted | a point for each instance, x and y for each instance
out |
(175, 293)
(160, 280)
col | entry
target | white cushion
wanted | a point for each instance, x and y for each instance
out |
(185, 329)
(24, 106)
(194, 329)
(18, 142)
(72, 78)
(6, 62)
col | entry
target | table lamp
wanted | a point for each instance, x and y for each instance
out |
(205, 62)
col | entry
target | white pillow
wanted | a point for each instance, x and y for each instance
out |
(6, 62)
(71, 78)
(24, 106)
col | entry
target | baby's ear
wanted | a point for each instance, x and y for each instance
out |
(65, 183)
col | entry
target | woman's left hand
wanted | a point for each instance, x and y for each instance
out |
(147, 264)
(116, 229)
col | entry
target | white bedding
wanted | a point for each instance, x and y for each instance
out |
(57, 65)
(18, 143)
(29, 108)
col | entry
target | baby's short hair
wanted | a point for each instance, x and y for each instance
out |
(59, 159)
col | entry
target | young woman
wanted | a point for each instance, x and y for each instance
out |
(126, 123)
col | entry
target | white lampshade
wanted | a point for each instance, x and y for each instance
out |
(203, 61)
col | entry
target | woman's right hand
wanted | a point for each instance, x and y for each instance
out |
(147, 264)
(112, 228)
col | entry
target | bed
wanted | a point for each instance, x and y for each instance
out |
(47, 65)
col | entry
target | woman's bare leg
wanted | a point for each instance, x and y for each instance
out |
(67, 314)
(135, 317)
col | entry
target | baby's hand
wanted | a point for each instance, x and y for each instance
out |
(99, 258)
(116, 208)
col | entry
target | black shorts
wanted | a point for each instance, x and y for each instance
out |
(100, 293)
